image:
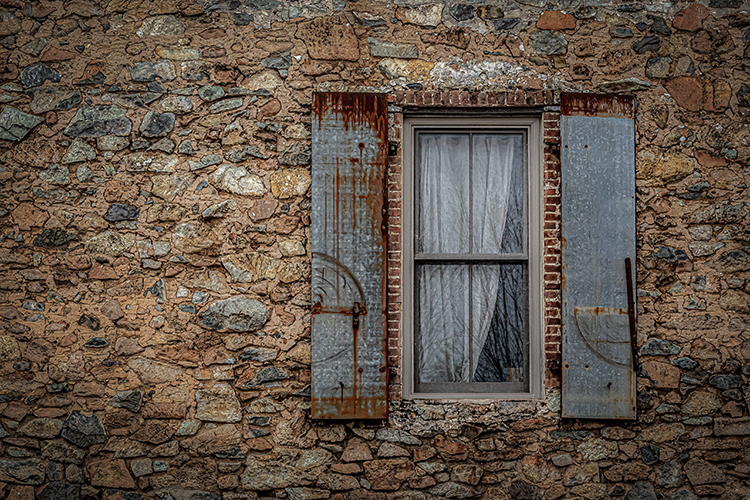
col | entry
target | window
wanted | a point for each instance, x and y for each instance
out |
(472, 259)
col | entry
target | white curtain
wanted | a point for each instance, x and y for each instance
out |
(456, 218)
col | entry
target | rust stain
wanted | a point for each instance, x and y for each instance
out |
(355, 112)
(604, 105)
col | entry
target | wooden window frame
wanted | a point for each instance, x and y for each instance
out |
(530, 124)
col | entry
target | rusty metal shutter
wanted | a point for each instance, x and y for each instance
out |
(598, 226)
(349, 154)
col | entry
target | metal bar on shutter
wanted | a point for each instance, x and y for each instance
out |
(598, 228)
(349, 154)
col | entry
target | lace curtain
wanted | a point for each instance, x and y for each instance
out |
(470, 201)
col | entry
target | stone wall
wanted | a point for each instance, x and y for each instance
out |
(155, 278)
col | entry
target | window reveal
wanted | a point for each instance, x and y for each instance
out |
(469, 260)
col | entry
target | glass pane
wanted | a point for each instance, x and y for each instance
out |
(498, 193)
(502, 337)
(443, 193)
(442, 327)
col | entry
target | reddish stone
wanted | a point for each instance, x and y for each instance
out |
(68, 340)
(423, 453)
(271, 108)
(212, 33)
(155, 432)
(164, 410)
(259, 444)
(110, 474)
(21, 493)
(388, 475)
(356, 451)
(421, 482)
(15, 411)
(690, 18)
(78, 262)
(56, 54)
(687, 91)
(329, 38)
(662, 375)
(556, 20)
(103, 272)
(701, 472)
(346, 468)
(213, 52)
(450, 450)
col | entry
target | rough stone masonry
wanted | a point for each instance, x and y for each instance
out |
(154, 226)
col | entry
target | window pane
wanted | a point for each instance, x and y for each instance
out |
(498, 190)
(443, 193)
(499, 303)
(442, 327)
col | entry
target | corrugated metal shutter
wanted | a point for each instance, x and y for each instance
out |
(598, 226)
(349, 154)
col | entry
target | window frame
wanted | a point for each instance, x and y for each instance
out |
(530, 124)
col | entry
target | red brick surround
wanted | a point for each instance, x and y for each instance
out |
(544, 101)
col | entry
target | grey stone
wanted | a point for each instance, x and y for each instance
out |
(77, 152)
(379, 48)
(164, 145)
(218, 404)
(462, 12)
(99, 121)
(684, 495)
(562, 460)
(38, 73)
(669, 254)
(188, 427)
(244, 154)
(210, 92)
(143, 71)
(165, 70)
(549, 43)
(237, 180)
(199, 297)
(505, 24)
(142, 467)
(193, 70)
(56, 237)
(725, 4)
(620, 32)
(724, 382)
(659, 347)
(704, 248)
(157, 124)
(641, 491)
(28, 471)
(597, 449)
(278, 61)
(130, 101)
(45, 99)
(295, 154)
(15, 124)
(650, 454)
(83, 431)
(130, 400)
(268, 374)
(35, 47)
(160, 26)
(238, 314)
(660, 26)
(176, 104)
(658, 67)
(158, 290)
(31, 305)
(264, 475)
(721, 213)
(112, 143)
(96, 343)
(226, 105)
(110, 243)
(397, 436)
(60, 491)
(120, 211)
(218, 210)
(186, 147)
(56, 174)
(647, 44)
(669, 475)
(260, 354)
(168, 187)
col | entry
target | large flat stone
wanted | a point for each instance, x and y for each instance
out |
(99, 121)
(15, 124)
(218, 404)
(329, 38)
(237, 314)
